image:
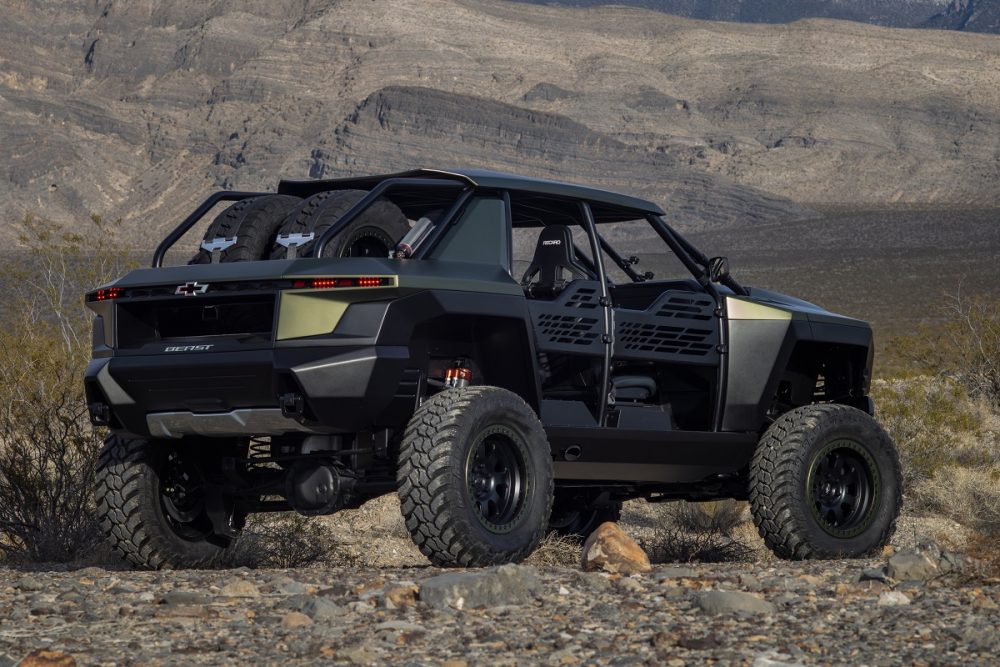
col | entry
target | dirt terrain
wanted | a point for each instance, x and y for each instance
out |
(398, 610)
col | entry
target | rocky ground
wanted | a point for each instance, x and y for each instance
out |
(912, 608)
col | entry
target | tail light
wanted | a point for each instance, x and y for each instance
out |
(329, 283)
(105, 294)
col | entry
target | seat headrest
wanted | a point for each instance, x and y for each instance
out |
(554, 254)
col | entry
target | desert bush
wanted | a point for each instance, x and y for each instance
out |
(698, 532)
(984, 549)
(47, 446)
(970, 496)
(935, 423)
(719, 516)
(558, 550)
(965, 347)
(283, 541)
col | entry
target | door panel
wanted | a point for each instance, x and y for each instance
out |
(677, 327)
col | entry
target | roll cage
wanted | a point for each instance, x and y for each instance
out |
(539, 203)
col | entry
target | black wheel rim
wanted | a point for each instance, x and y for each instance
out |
(496, 478)
(843, 488)
(367, 242)
(182, 496)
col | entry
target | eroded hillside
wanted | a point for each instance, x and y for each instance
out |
(139, 109)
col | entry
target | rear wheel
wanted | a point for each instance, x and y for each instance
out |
(374, 233)
(825, 482)
(475, 477)
(152, 502)
(253, 223)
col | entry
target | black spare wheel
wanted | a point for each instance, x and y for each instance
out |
(244, 232)
(374, 233)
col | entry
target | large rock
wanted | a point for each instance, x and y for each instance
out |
(504, 585)
(911, 566)
(727, 602)
(608, 548)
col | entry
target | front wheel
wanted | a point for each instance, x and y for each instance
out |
(152, 499)
(825, 482)
(475, 477)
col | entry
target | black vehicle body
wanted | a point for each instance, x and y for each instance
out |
(652, 388)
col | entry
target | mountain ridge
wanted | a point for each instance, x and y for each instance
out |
(139, 110)
(959, 15)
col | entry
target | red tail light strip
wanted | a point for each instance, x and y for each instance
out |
(328, 283)
(106, 294)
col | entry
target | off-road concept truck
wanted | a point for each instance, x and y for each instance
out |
(342, 339)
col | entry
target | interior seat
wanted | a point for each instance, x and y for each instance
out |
(633, 388)
(555, 257)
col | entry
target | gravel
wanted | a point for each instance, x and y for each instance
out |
(812, 613)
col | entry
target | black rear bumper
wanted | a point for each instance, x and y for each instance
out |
(344, 389)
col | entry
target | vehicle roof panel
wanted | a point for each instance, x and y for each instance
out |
(629, 207)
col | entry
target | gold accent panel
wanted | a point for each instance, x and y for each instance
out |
(739, 309)
(310, 313)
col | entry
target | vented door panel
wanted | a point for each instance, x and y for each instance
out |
(678, 326)
(572, 322)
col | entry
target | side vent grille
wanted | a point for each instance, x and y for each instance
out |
(567, 329)
(664, 339)
(677, 326)
(571, 322)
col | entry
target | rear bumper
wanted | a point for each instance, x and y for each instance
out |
(344, 389)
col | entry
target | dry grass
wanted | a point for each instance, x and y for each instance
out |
(970, 496)
(49, 448)
(984, 549)
(681, 532)
(935, 423)
(284, 541)
(557, 550)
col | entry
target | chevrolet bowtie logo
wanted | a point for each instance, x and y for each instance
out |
(191, 289)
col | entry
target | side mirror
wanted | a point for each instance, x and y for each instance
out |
(718, 268)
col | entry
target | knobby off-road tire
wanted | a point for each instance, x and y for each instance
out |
(374, 233)
(825, 482)
(568, 521)
(475, 477)
(254, 222)
(132, 512)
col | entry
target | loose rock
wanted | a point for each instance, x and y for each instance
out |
(911, 566)
(504, 585)
(893, 599)
(46, 658)
(608, 548)
(241, 588)
(724, 602)
(295, 619)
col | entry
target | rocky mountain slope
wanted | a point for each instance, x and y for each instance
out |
(968, 15)
(140, 109)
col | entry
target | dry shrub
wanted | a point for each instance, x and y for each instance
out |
(47, 446)
(965, 348)
(718, 516)
(283, 541)
(970, 496)
(935, 423)
(699, 532)
(984, 549)
(557, 550)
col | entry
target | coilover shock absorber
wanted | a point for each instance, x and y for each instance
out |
(459, 375)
